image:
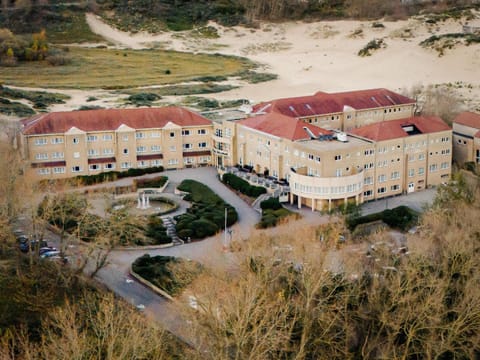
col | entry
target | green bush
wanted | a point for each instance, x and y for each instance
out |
(114, 175)
(271, 203)
(206, 216)
(401, 217)
(243, 186)
(168, 273)
(156, 182)
(156, 231)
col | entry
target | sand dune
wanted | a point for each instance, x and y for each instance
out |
(323, 55)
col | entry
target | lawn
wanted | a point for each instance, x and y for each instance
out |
(95, 68)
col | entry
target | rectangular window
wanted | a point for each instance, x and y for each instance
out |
(76, 169)
(421, 171)
(107, 137)
(421, 157)
(202, 145)
(59, 170)
(58, 155)
(141, 149)
(445, 151)
(57, 140)
(433, 167)
(41, 141)
(368, 193)
(368, 180)
(382, 178)
(155, 134)
(395, 187)
(411, 172)
(395, 175)
(140, 135)
(109, 166)
(107, 151)
(92, 138)
(188, 160)
(187, 146)
(125, 137)
(382, 190)
(219, 132)
(142, 164)
(125, 165)
(157, 162)
(41, 156)
(338, 172)
(173, 162)
(444, 165)
(43, 171)
(317, 159)
(76, 140)
(185, 132)
(201, 132)
(156, 148)
(338, 157)
(92, 152)
(94, 167)
(368, 166)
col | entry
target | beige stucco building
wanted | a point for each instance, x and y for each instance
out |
(65, 144)
(330, 148)
(466, 138)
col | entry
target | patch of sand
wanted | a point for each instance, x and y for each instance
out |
(309, 57)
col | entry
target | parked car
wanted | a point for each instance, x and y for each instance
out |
(46, 249)
(50, 254)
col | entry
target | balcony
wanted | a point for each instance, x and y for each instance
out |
(326, 188)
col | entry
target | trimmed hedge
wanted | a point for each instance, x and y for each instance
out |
(401, 217)
(114, 175)
(156, 182)
(272, 213)
(206, 216)
(243, 186)
(156, 231)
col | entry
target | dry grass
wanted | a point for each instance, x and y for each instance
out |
(115, 69)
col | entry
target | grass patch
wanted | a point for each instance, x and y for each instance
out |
(401, 217)
(14, 108)
(273, 212)
(206, 216)
(95, 68)
(168, 273)
(143, 99)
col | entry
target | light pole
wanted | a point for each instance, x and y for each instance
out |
(225, 233)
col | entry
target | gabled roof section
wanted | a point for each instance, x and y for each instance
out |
(394, 129)
(324, 103)
(469, 119)
(282, 126)
(111, 119)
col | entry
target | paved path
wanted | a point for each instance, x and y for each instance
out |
(209, 251)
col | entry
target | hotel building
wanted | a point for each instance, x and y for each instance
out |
(331, 148)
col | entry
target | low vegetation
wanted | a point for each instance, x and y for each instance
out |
(14, 108)
(401, 217)
(168, 273)
(440, 43)
(243, 186)
(40, 99)
(93, 68)
(156, 182)
(113, 175)
(273, 213)
(372, 46)
(206, 216)
(142, 99)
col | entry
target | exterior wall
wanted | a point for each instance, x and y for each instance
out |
(224, 148)
(75, 153)
(464, 149)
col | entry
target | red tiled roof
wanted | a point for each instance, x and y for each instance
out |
(323, 103)
(283, 126)
(468, 118)
(393, 129)
(111, 119)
